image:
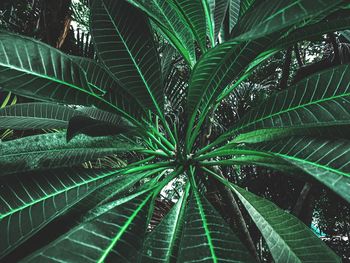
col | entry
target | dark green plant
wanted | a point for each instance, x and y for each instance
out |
(123, 102)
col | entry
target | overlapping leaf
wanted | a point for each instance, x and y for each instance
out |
(101, 79)
(278, 15)
(102, 115)
(48, 151)
(124, 43)
(30, 201)
(320, 100)
(206, 236)
(173, 26)
(36, 70)
(234, 9)
(112, 236)
(246, 4)
(337, 21)
(219, 15)
(36, 116)
(161, 245)
(289, 239)
(215, 70)
(326, 161)
(196, 14)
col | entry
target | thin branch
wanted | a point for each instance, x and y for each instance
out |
(286, 69)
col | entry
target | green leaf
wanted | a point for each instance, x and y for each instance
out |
(326, 161)
(207, 237)
(49, 151)
(196, 15)
(172, 25)
(161, 245)
(219, 15)
(32, 69)
(289, 239)
(32, 200)
(245, 5)
(100, 78)
(279, 15)
(124, 43)
(335, 22)
(95, 128)
(234, 9)
(168, 54)
(111, 236)
(36, 116)
(265, 135)
(213, 72)
(209, 7)
(319, 100)
(101, 115)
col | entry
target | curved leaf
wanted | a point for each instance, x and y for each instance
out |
(219, 15)
(289, 239)
(320, 100)
(49, 151)
(36, 116)
(100, 78)
(326, 161)
(278, 15)
(173, 26)
(234, 10)
(335, 22)
(207, 237)
(161, 245)
(111, 236)
(245, 5)
(39, 71)
(101, 115)
(30, 201)
(214, 71)
(124, 43)
(195, 13)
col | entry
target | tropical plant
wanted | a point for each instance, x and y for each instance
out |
(133, 101)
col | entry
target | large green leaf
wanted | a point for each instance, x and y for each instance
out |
(213, 72)
(36, 116)
(288, 238)
(196, 14)
(234, 9)
(337, 21)
(245, 5)
(48, 151)
(35, 70)
(124, 43)
(278, 15)
(326, 161)
(238, 156)
(161, 245)
(207, 237)
(30, 201)
(101, 115)
(172, 25)
(219, 15)
(274, 134)
(100, 78)
(113, 235)
(320, 100)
